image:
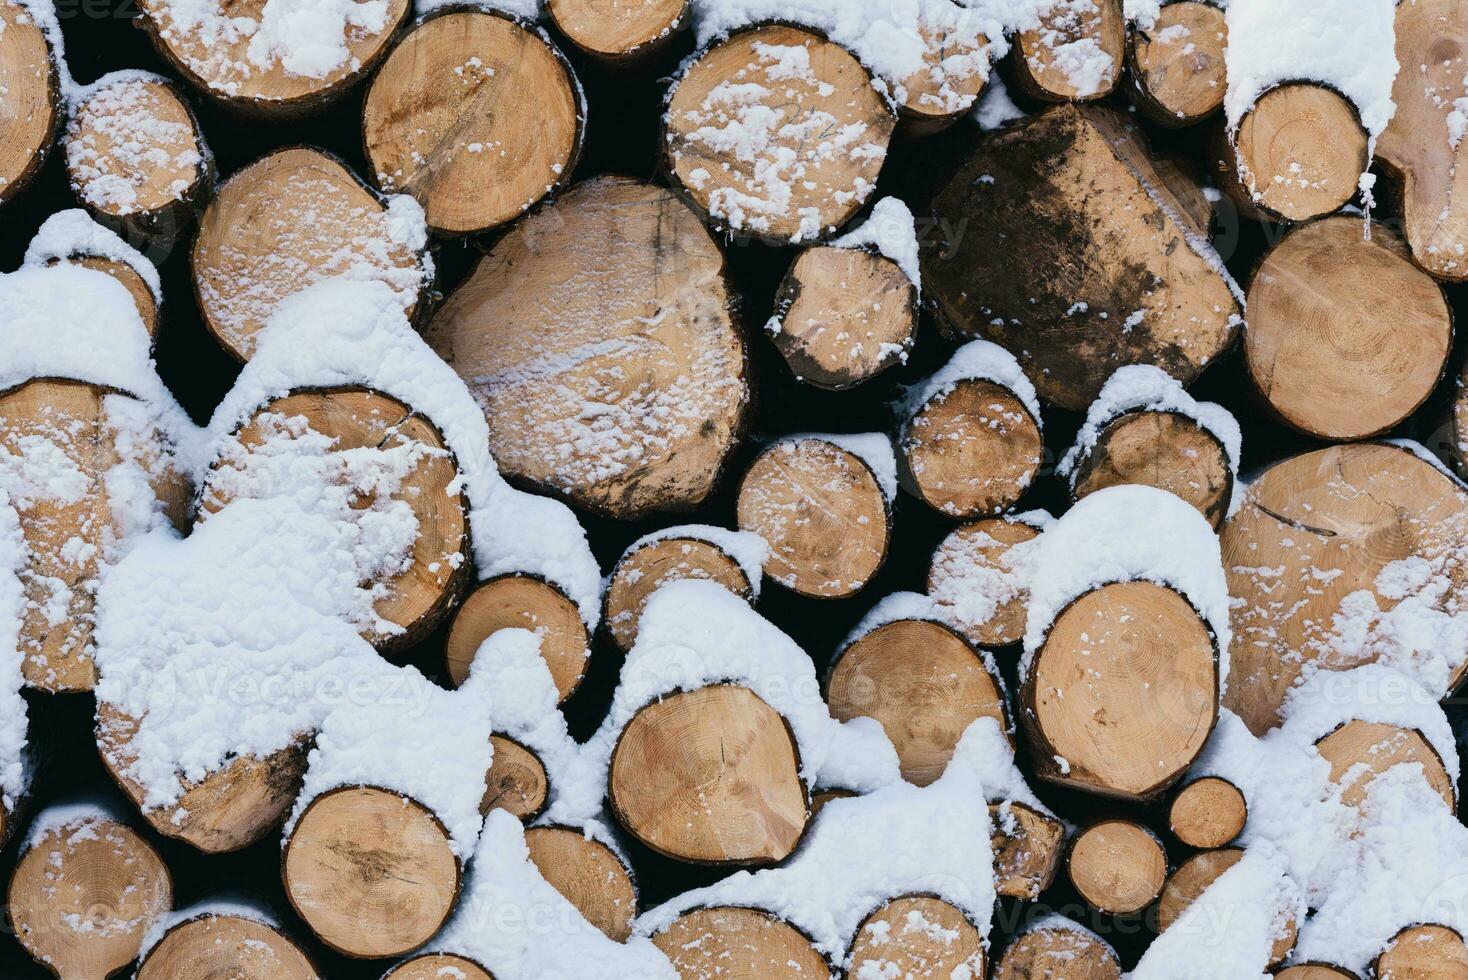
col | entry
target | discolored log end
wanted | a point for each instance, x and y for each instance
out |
(1058, 953)
(589, 875)
(917, 936)
(521, 602)
(739, 944)
(1118, 867)
(1167, 450)
(372, 872)
(438, 966)
(711, 775)
(1075, 54)
(1027, 847)
(1423, 951)
(620, 32)
(641, 572)
(973, 562)
(1177, 65)
(1359, 751)
(516, 781)
(226, 946)
(1208, 813)
(32, 88)
(1190, 880)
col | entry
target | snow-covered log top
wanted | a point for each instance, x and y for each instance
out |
(73, 232)
(238, 907)
(77, 817)
(872, 448)
(978, 360)
(890, 230)
(748, 549)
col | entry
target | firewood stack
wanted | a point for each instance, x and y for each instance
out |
(685, 490)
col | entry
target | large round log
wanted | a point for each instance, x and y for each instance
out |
(1177, 65)
(739, 944)
(226, 945)
(916, 936)
(32, 88)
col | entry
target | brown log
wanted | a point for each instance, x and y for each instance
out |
(1128, 643)
(1058, 953)
(1208, 813)
(1312, 530)
(1359, 751)
(1346, 336)
(32, 88)
(711, 775)
(1424, 952)
(438, 966)
(1431, 36)
(588, 874)
(621, 33)
(1117, 866)
(231, 946)
(83, 896)
(834, 124)
(1167, 450)
(372, 872)
(916, 936)
(1314, 971)
(521, 602)
(516, 781)
(924, 682)
(137, 159)
(1027, 847)
(434, 127)
(1177, 67)
(980, 548)
(843, 316)
(148, 305)
(597, 335)
(1103, 227)
(823, 513)
(641, 572)
(253, 250)
(1038, 66)
(734, 943)
(1190, 880)
(949, 84)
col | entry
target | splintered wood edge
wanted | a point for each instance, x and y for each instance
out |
(1146, 835)
(458, 657)
(1017, 883)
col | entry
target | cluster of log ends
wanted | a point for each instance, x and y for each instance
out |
(516, 782)
(232, 946)
(843, 316)
(1033, 66)
(924, 683)
(32, 88)
(1428, 951)
(823, 513)
(643, 570)
(621, 33)
(1119, 867)
(149, 309)
(710, 776)
(1058, 953)
(588, 874)
(1346, 336)
(1027, 846)
(1167, 450)
(1177, 65)
(518, 601)
(981, 546)
(1133, 643)
(1208, 813)
(1194, 876)
(1359, 751)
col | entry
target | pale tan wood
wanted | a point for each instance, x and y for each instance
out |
(521, 602)
(1431, 38)
(1039, 72)
(1208, 813)
(226, 946)
(588, 874)
(823, 514)
(1117, 866)
(1346, 337)
(981, 548)
(516, 781)
(950, 81)
(253, 250)
(1177, 68)
(917, 936)
(226, 810)
(1297, 154)
(924, 683)
(30, 113)
(357, 419)
(619, 31)
(80, 901)
(1312, 530)
(1359, 751)
(1424, 952)
(1314, 971)
(1124, 689)
(971, 451)
(1027, 847)
(640, 573)
(844, 315)
(1167, 450)
(1190, 880)
(136, 286)
(435, 126)
(826, 112)
(438, 966)
(1057, 953)
(711, 775)
(728, 943)
(373, 873)
(597, 337)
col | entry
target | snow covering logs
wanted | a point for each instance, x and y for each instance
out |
(33, 102)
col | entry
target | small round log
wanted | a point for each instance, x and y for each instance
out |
(621, 33)
(516, 781)
(1058, 953)
(916, 936)
(516, 601)
(739, 944)
(1027, 847)
(438, 966)
(434, 124)
(32, 88)
(641, 572)
(1208, 813)
(1190, 880)
(372, 872)
(1117, 866)
(1167, 450)
(792, 182)
(589, 875)
(226, 946)
(823, 513)
(972, 558)
(924, 683)
(1359, 751)
(1177, 66)
(1042, 64)
(1423, 952)
(711, 775)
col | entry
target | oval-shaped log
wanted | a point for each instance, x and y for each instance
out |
(739, 944)
(372, 872)
(1117, 866)
(971, 579)
(516, 781)
(434, 124)
(253, 250)
(621, 33)
(1058, 953)
(1313, 530)
(1424, 952)
(1346, 336)
(597, 337)
(32, 88)
(1190, 880)
(517, 601)
(1167, 450)
(916, 936)
(84, 894)
(1128, 643)
(1208, 813)
(792, 181)
(588, 874)
(711, 775)
(1027, 847)
(823, 513)
(1075, 53)
(231, 946)
(924, 683)
(1359, 751)
(641, 572)
(1177, 68)
(843, 316)
(438, 966)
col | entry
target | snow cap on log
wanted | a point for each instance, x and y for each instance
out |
(14, 762)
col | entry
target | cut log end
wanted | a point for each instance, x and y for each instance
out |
(521, 602)
(924, 684)
(831, 94)
(822, 512)
(917, 936)
(589, 875)
(1039, 65)
(516, 781)
(973, 450)
(711, 775)
(1118, 867)
(1027, 847)
(438, 966)
(1058, 953)
(1315, 971)
(32, 90)
(1194, 876)
(81, 902)
(642, 572)
(1359, 751)
(819, 800)
(739, 944)
(131, 280)
(226, 946)
(955, 69)
(372, 872)
(1299, 153)
(1208, 813)
(1426, 951)
(621, 32)
(1166, 450)
(1178, 64)
(977, 553)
